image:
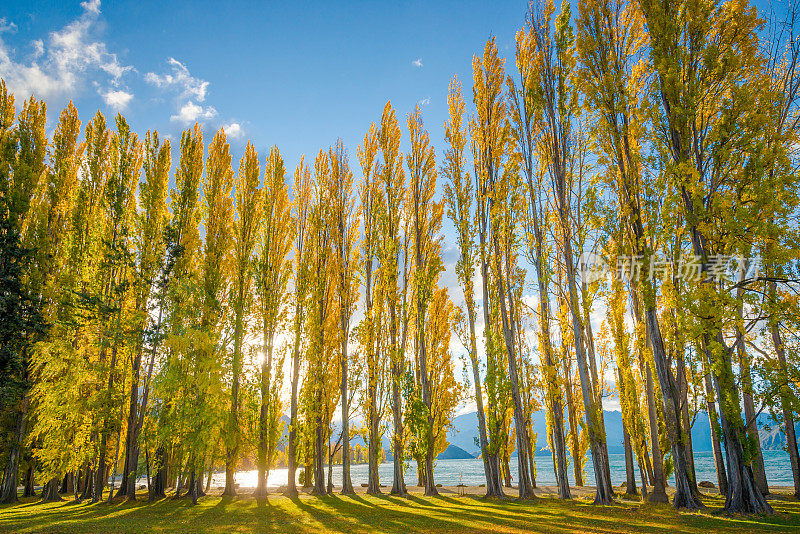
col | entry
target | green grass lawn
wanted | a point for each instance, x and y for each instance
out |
(362, 513)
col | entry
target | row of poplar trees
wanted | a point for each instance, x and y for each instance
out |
(157, 324)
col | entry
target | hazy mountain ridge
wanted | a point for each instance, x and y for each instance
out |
(463, 437)
(465, 432)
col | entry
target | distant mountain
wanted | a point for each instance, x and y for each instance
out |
(453, 452)
(465, 432)
(770, 433)
(463, 437)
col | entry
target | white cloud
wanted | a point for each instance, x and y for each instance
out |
(92, 6)
(234, 130)
(425, 101)
(64, 62)
(180, 80)
(38, 48)
(7, 26)
(117, 99)
(191, 112)
(417, 62)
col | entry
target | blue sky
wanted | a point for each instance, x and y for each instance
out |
(294, 74)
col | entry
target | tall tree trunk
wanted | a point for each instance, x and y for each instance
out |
(659, 493)
(751, 425)
(308, 465)
(373, 483)
(347, 484)
(291, 451)
(319, 451)
(29, 490)
(138, 413)
(131, 437)
(88, 482)
(330, 471)
(683, 387)
(10, 479)
(786, 408)
(476, 379)
(719, 461)
(596, 384)
(160, 480)
(232, 441)
(743, 496)
(604, 493)
(556, 408)
(101, 473)
(630, 474)
(684, 497)
(494, 488)
(505, 299)
(398, 482)
(430, 485)
(574, 429)
(263, 418)
(658, 480)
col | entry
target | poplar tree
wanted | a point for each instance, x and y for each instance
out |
(370, 329)
(491, 136)
(246, 227)
(118, 203)
(458, 195)
(393, 181)
(323, 326)
(345, 223)
(54, 205)
(301, 207)
(426, 223)
(525, 120)
(184, 252)
(273, 270)
(151, 221)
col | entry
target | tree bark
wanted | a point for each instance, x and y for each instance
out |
(347, 484)
(743, 496)
(604, 493)
(494, 488)
(658, 480)
(751, 425)
(319, 449)
(630, 474)
(719, 461)
(29, 490)
(786, 408)
(232, 441)
(263, 418)
(160, 480)
(572, 416)
(10, 479)
(476, 379)
(398, 482)
(430, 486)
(291, 451)
(88, 483)
(683, 387)
(505, 299)
(659, 493)
(373, 483)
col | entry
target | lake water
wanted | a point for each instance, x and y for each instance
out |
(470, 472)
